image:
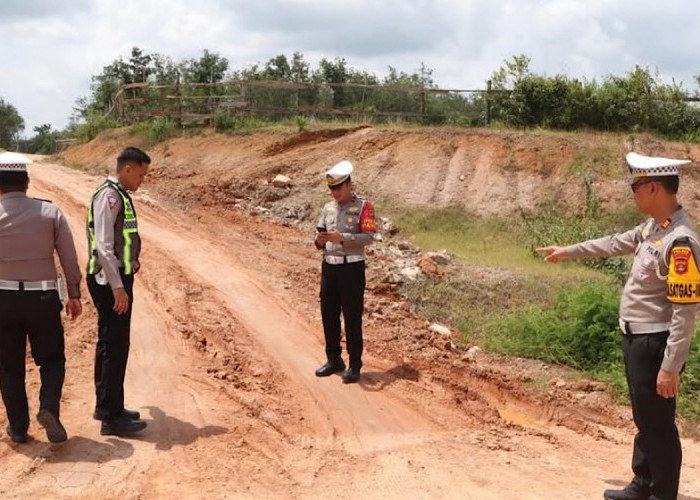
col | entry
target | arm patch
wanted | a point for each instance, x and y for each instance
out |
(683, 280)
(368, 220)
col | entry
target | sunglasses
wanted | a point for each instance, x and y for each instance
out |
(337, 186)
(639, 184)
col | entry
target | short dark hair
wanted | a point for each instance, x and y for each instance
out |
(133, 156)
(669, 182)
(13, 181)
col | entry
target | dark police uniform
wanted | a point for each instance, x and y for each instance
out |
(343, 273)
(657, 319)
(114, 250)
(30, 231)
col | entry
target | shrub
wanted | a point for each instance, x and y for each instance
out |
(580, 329)
(94, 124)
(154, 131)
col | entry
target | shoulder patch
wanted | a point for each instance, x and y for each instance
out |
(683, 280)
(368, 220)
(112, 200)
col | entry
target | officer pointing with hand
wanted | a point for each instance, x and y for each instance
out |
(657, 319)
(346, 226)
(30, 305)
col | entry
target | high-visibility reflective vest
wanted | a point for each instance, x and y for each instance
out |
(124, 245)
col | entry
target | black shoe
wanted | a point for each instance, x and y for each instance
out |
(121, 427)
(632, 491)
(351, 375)
(102, 415)
(16, 438)
(331, 368)
(55, 432)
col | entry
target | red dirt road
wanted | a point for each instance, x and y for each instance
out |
(224, 344)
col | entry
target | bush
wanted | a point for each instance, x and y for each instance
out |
(154, 131)
(94, 124)
(224, 120)
(579, 330)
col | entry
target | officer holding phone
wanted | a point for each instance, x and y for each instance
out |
(346, 226)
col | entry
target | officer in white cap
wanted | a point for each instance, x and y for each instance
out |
(30, 304)
(346, 226)
(657, 319)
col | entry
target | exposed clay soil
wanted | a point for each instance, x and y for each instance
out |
(226, 336)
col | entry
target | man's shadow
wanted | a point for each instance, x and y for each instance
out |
(165, 431)
(77, 449)
(376, 381)
(617, 484)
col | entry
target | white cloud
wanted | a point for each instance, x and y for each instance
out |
(51, 49)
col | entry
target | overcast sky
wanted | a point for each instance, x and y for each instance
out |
(50, 49)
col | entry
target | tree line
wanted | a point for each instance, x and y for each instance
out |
(519, 98)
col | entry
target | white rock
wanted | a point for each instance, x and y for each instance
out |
(462, 177)
(281, 181)
(440, 329)
(473, 352)
(411, 273)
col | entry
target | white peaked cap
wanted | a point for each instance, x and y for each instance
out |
(339, 173)
(13, 162)
(652, 166)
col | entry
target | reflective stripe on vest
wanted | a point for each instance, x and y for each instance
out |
(129, 227)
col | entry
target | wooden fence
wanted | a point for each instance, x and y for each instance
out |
(199, 102)
(188, 103)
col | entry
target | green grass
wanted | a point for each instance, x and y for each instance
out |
(494, 242)
(564, 314)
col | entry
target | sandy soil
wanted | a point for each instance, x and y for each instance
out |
(225, 338)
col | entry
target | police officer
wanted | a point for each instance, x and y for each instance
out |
(346, 226)
(657, 319)
(114, 246)
(30, 305)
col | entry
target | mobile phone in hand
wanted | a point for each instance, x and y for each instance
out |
(321, 229)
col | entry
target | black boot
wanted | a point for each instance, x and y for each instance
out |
(102, 415)
(121, 426)
(351, 375)
(55, 432)
(16, 438)
(330, 368)
(633, 491)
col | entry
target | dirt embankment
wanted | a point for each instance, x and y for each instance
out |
(486, 173)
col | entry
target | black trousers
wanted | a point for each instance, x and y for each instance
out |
(36, 315)
(113, 340)
(656, 459)
(343, 289)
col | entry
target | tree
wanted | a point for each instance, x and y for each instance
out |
(336, 71)
(44, 142)
(300, 68)
(278, 69)
(210, 68)
(11, 124)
